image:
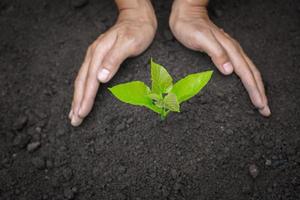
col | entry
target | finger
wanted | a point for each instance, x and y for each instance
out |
(92, 84)
(241, 68)
(70, 113)
(119, 52)
(79, 90)
(208, 43)
(265, 111)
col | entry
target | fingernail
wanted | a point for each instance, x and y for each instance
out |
(76, 121)
(70, 114)
(260, 103)
(228, 68)
(80, 113)
(103, 75)
(265, 111)
(268, 111)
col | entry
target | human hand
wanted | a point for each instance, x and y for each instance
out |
(192, 27)
(131, 35)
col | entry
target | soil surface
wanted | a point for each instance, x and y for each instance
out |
(218, 147)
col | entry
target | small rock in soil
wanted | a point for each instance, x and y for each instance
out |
(5, 163)
(38, 129)
(42, 123)
(36, 137)
(130, 120)
(270, 189)
(21, 140)
(75, 189)
(165, 191)
(69, 193)
(49, 164)
(20, 122)
(122, 169)
(17, 191)
(60, 132)
(246, 189)
(38, 162)
(67, 173)
(219, 118)
(121, 196)
(55, 182)
(79, 3)
(174, 173)
(153, 175)
(166, 129)
(45, 196)
(253, 170)
(31, 147)
(268, 162)
(229, 131)
(177, 187)
(120, 127)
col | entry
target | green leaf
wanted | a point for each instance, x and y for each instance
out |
(161, 79)
(189, 86)
(135, 93)
(159, 104)
(155, 96)
(171, 102)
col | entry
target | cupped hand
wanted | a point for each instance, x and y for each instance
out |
(130, 36)
(192, 27)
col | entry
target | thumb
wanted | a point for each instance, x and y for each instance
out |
(112, 61)
(208, 43)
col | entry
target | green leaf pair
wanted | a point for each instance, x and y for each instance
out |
(164, 96)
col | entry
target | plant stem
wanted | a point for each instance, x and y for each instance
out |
(163, 114)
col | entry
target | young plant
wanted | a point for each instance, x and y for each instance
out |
(164, 96)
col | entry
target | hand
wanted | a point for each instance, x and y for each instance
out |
(130, 36)
(192, 27)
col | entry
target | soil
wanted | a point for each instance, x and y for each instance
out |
(218, 147)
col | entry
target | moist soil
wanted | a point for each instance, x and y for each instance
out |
(218, 147)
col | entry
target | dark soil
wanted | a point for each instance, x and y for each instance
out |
(218, 147)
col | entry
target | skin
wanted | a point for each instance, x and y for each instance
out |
(133, 32)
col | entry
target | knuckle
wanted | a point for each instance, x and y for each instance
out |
(128, 36)
(135, 45)
(100, 36)
(93, 46)
(109, 61)
(97, 48)
(257, 73)
(236, 44)
(249, 79)
(197, 44)
(220, 54)
(78, 81)
(130, 39)
(201, 34)
(234, 48)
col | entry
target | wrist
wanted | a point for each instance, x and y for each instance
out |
(132, 4)
(134, 10)
(183, 8)
(194, 2)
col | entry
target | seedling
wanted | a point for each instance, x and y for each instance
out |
(164, 96)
